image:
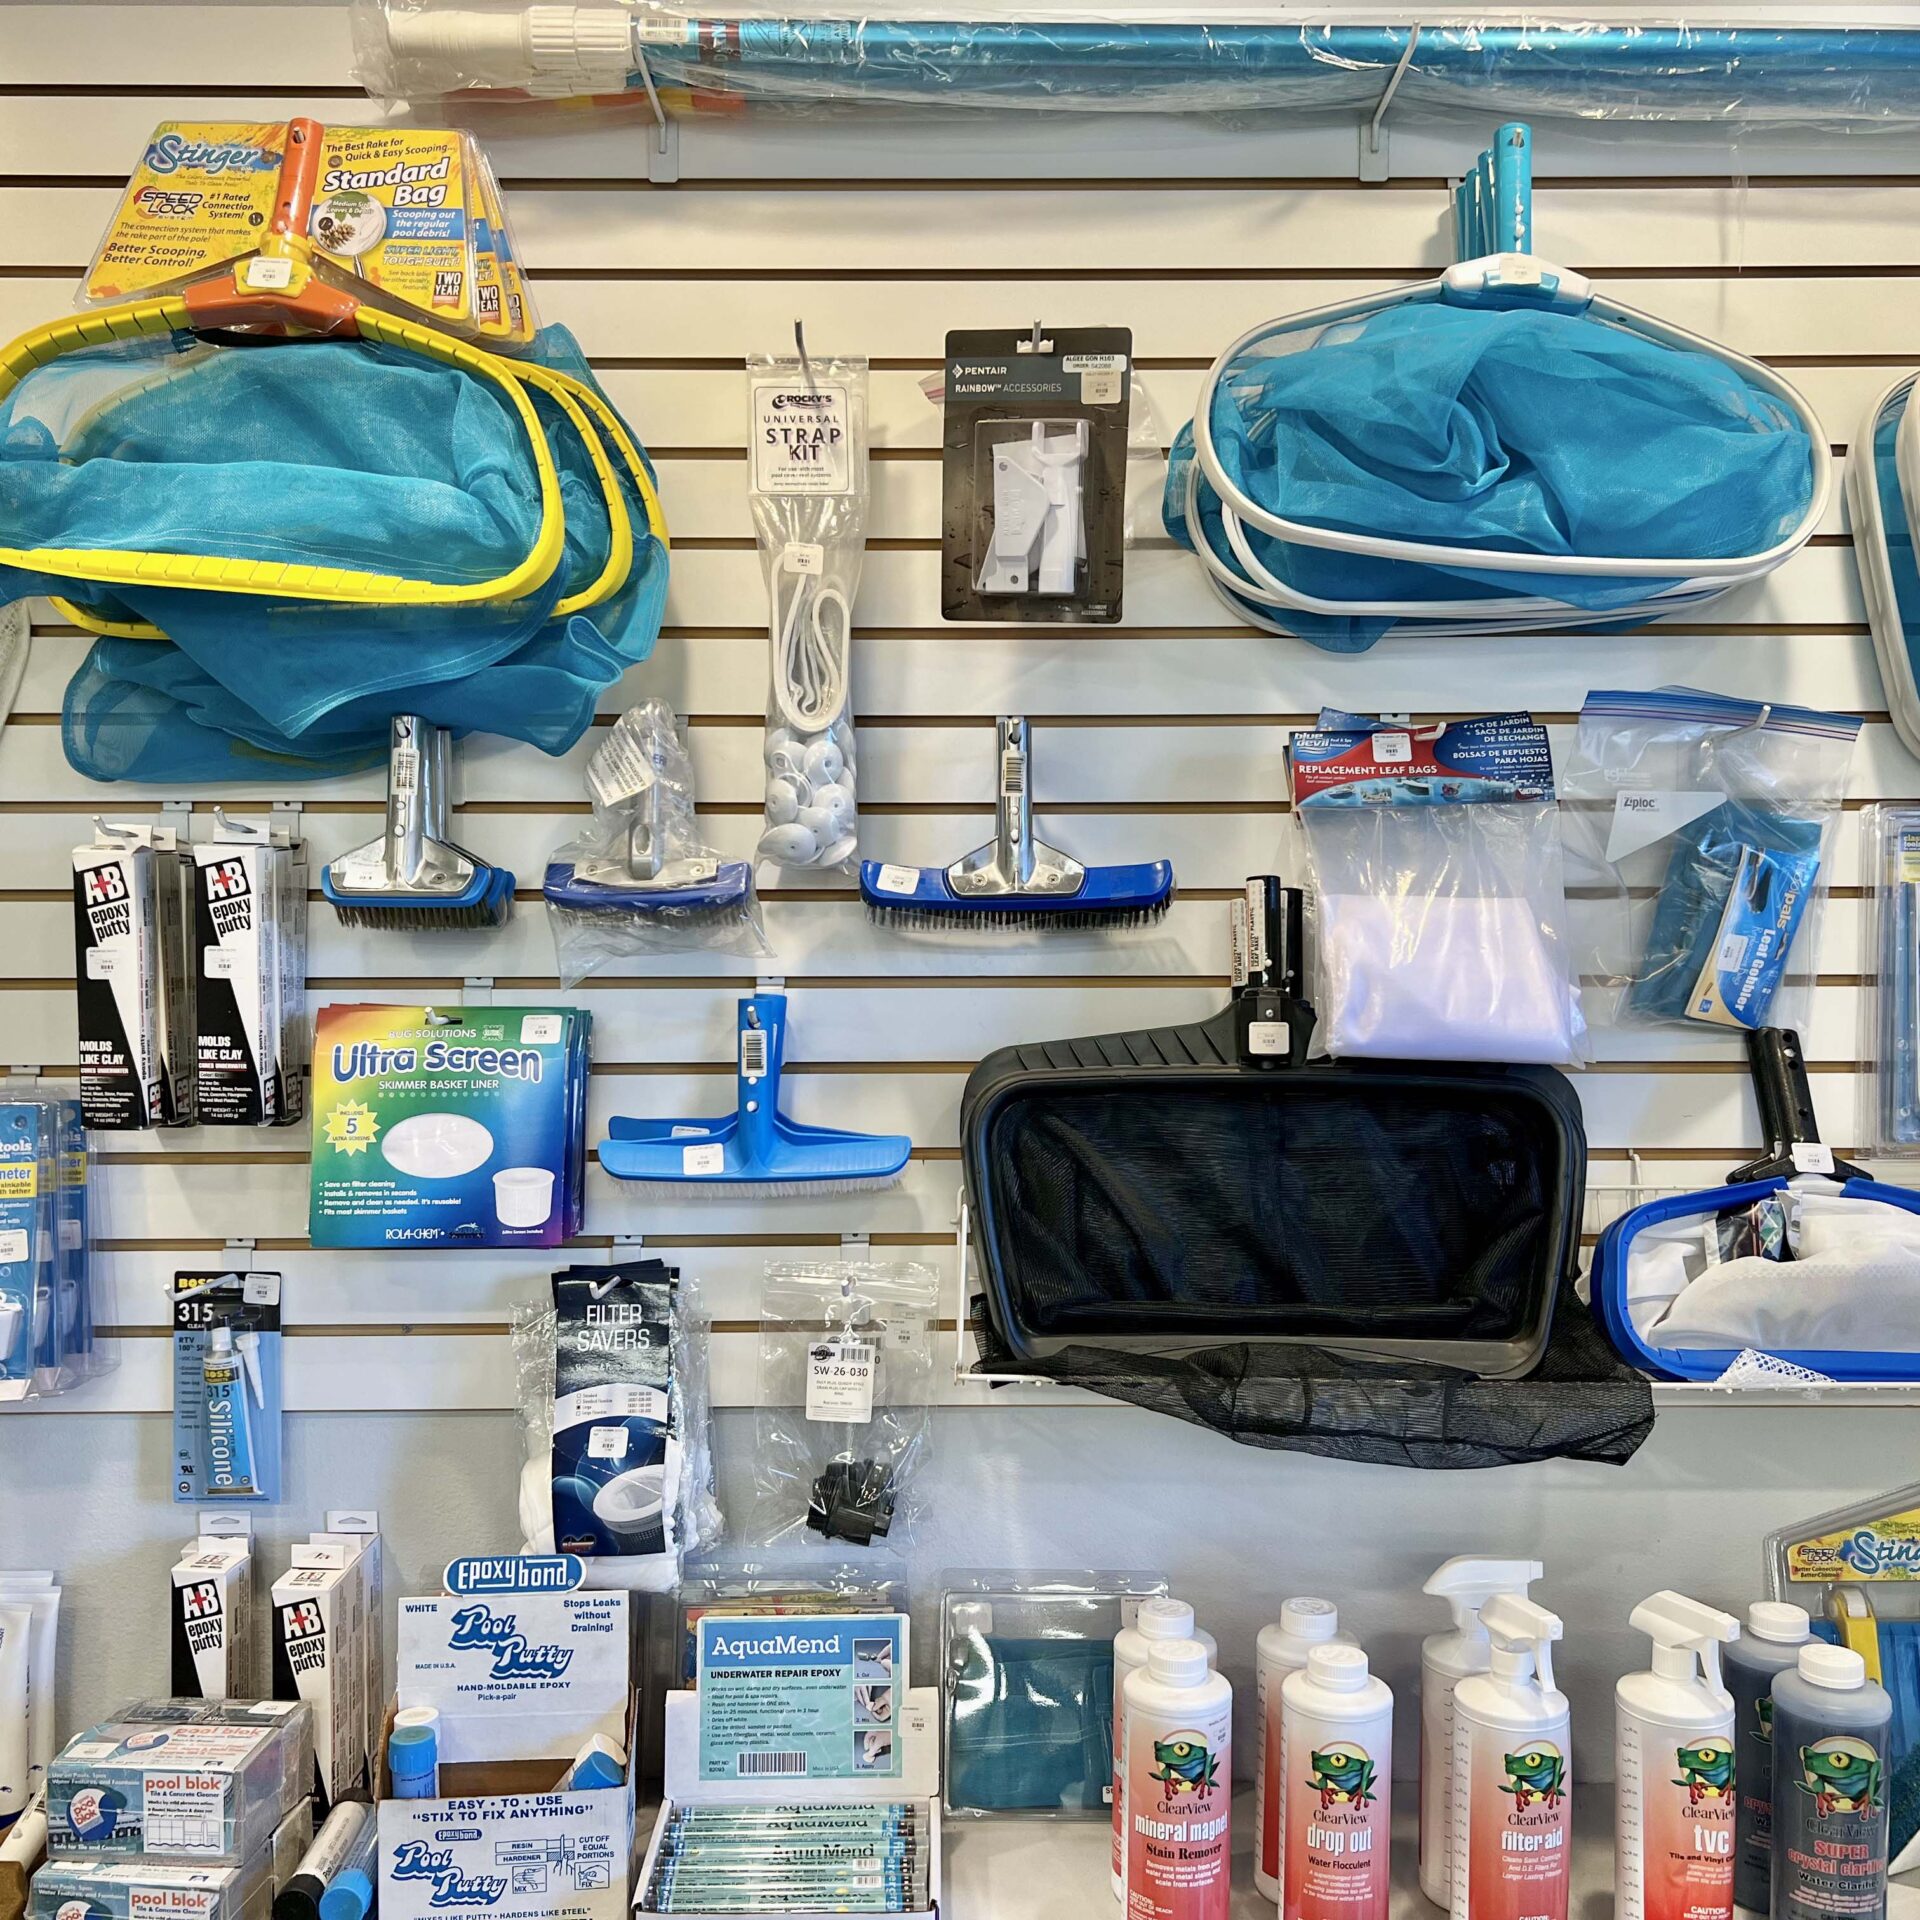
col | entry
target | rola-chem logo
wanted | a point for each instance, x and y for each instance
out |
(1842, 1773)
(1184, 1764)
(416, 1860)
(1536, 1777)
(1343, 1776)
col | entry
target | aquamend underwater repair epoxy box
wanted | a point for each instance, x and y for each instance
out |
(444, 1127)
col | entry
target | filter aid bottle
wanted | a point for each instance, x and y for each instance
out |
(1512, 1774)
(1282, 1649)
(1830, 1779)
(1179, 1785)
(1770, 1646)
(1336, 1755)
(1466, 1583)
(1674, 1768)
(1156, 1619)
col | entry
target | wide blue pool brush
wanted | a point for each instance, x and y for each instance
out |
(756, 1148)
(1016, 880)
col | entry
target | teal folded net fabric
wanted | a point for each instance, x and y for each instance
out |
(324, 452)
(1523, 431)
(1031, 1726)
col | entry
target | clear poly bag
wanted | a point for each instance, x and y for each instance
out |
(1699, 833)
(640, 881)
(614, 1406)
(1890, 1005)
(807, 478)
(1439, 892)
(843, 1418)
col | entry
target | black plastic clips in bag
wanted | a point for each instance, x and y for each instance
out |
(1371, 1260)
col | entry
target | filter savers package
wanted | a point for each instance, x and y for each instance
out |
(843, 1422)
(448, 1127)
(1699, 829)
(614, 1398)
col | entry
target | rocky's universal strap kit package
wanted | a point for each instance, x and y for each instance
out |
(802, 1773)
(1034, 474)
(227, 1392)
(448, 1126)
(505, 1781)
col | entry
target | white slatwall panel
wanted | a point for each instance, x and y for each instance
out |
(1163, 736)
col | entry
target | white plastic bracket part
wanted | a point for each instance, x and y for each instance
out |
(238, 1256)
(26, 1071)
(770, 983)
(226, 1523)
(1039, 520)
(285, 819)
(476, 990)
(178, 814)
(663, 146)
(1376, 137)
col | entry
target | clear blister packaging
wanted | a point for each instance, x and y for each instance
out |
(1439, 891)
(1026, 1687)
(640, 881)
(52, 1288)
(1890, 1005)
(1699, 833)
(1639, 63)
(615, 1408)
(807, 480)
(1033, 485)
(843, 1419)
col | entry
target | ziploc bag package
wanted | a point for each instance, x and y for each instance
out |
(1438, 880)
(448, 1126)
(1698, 831)
(1026, 1687)
(208, 1781)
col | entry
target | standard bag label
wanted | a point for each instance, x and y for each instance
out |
(802, 437)
(840, 1381)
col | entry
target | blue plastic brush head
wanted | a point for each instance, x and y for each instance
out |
(725, 893)
(486, 900)
(756, 1147)
(1106, 897)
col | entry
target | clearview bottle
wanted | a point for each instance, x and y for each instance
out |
(1336, 1751)
(1159, 1618)
(1770, 1646)
(1179, 1786)
(1282, 1649)
(1830, 1778)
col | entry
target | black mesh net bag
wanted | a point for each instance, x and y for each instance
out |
(1370, 1260)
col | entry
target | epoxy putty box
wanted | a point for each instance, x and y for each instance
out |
(202, 1780)
(448, 1126)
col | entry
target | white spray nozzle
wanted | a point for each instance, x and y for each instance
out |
(1522, 1631)
(1684, 1632)
(1467, 1583)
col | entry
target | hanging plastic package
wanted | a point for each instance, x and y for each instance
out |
(1890, 998)
(614, 1402)
(843, 1421)
(1699, 829)
(639, 881)
(1799, 1257)
(807, 481)
(1502, 449)
(209, 475)
(1367, 1259)
(1439, 899)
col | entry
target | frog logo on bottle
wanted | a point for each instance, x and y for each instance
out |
(1535, 1778)
(1763, 1718)
(1184, 1765)
(1706, 1770)
(1842, 1774)
(1343, 1776)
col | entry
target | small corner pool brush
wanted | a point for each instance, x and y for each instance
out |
(413, 876)
(756, 1148)
(1016, 880)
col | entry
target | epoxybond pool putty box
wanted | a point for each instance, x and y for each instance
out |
(441, 1127)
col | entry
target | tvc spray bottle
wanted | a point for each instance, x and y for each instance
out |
(1161, 1618)
(1466, 1584)
(1179, 1785)
(1512, 1773)
(1673, 1768)
(1282, 1649)
(1776, 1631)
(1336, 1754)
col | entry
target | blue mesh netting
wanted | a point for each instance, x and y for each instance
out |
(1518, 431)
(333, 452)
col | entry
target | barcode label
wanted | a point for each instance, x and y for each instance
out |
(760, 1765)
(405, 771)
(1013, 775)
(753, 1053)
